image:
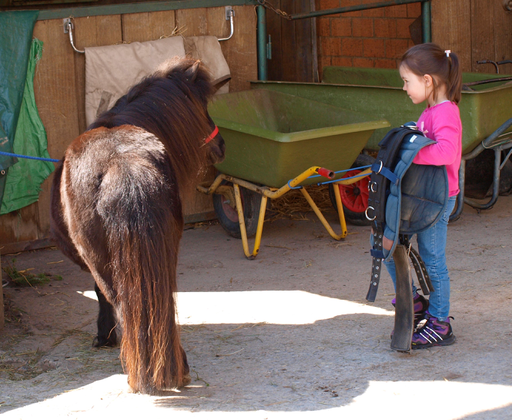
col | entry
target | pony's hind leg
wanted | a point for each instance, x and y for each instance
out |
(107, 323)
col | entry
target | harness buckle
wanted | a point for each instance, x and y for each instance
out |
(366, 213)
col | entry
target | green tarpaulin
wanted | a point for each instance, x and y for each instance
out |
(21, 130)
(25, 177)
(15, 40)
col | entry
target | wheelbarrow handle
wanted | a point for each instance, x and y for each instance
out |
(326, 173)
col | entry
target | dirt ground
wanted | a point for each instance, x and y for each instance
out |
(288, 335)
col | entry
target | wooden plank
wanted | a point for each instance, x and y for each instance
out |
(241, 50)
(55, 93)
(288, 47)
(482, 35)
(276, 63)
(451, 28)
(142, 27)
(502, 36)
(304, 43)
(192, 22)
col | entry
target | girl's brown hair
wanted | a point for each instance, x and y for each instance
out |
(442, 65)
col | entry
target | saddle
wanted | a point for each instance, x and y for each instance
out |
(404, 199)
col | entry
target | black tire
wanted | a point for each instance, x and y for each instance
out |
(355, 214)
(228, 215)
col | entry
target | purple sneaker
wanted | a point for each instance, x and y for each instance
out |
(433, 333)
(420, 308)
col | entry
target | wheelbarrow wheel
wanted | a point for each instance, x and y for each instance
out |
(354, 197)
(227, 213)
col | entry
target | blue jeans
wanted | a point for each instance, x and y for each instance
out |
(432, 249)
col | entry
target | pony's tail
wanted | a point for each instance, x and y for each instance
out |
(144, 230)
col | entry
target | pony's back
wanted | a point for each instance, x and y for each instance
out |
(172, 105)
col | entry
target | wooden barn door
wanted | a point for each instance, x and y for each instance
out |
(293, 43)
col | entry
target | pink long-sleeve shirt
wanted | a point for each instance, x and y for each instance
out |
(442, 124)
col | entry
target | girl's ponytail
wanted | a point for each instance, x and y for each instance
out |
(454, 82)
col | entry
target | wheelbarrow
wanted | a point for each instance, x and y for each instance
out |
(276, 142)
(485, 110)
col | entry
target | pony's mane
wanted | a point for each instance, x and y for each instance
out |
(171, 104)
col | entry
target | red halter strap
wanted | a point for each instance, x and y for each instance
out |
(212, 136)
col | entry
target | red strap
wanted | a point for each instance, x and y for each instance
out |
(212, 136)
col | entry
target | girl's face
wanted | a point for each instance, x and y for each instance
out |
(419, 88)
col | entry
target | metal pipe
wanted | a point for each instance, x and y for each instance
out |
(230, 13)
(425, 20)
(262, 40)
(337, 10)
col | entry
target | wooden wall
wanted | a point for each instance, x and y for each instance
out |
(59, 89)
(477, 30)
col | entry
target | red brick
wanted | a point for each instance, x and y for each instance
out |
(395, 48)
(342, 61)
(402, 28)
(362, 27)
(385, 28)
(330, 46)
(414, 10)
(374, 48)
(348, 3)
(323, 62)
(374, 12)
(386, 64)
(328, 4)
(396, 11)
(363, 62)
(352, 47)
(341, 27)
(323, 26)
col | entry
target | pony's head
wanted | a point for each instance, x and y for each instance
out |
(172, 104)
(197, 83)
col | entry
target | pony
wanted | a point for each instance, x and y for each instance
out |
(116, 211)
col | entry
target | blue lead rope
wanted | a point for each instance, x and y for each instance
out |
(29, 157)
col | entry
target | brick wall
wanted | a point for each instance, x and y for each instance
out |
(369, 38)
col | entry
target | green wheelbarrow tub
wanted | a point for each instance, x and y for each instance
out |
(272, 137)
(378, 92)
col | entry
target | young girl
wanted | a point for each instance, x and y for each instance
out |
(433, 75)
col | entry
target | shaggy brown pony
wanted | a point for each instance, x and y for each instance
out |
(117, 212)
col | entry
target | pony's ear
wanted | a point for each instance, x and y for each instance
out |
(221, 81)
(191, 72)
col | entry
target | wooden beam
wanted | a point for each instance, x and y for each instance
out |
(155, 6)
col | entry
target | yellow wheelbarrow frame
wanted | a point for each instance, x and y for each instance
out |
(272, 193)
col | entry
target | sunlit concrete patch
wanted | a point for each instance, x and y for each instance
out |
(440, 400)
(274, 307)
(292, 307)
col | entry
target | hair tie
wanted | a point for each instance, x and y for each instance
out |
(447, 52)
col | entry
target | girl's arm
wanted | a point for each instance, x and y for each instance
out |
(447, 132)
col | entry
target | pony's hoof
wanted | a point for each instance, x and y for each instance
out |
(186, 380)
(103, 342)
